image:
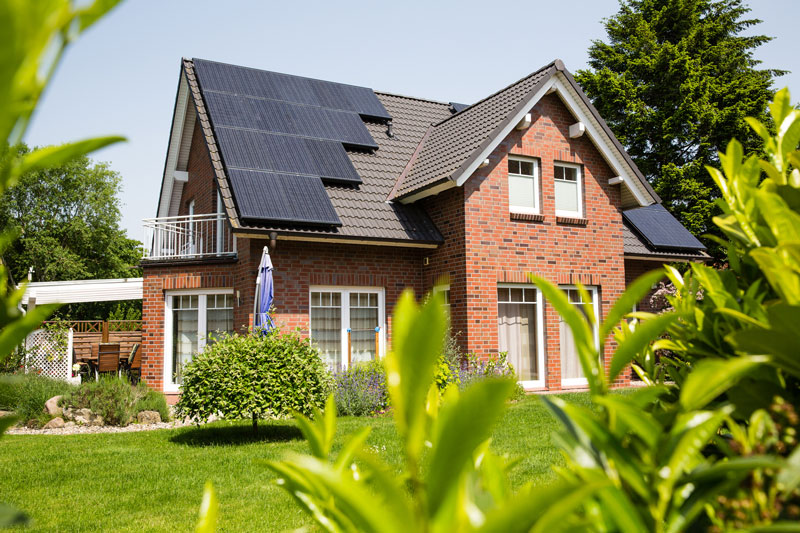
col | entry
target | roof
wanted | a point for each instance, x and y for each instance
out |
(453, 140)
(636, 246)
(361, 208)
(660, 229)
(423, 143)
(456, 145)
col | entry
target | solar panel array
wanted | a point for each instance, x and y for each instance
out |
(259, 150)
(660, 228)
(282, 198)
(276, 86)
(286, 132)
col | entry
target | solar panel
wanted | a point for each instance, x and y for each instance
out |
(284, 117)
(273, 197)
(257, 150)
(234, 79)
(660, 228)
(457, 108)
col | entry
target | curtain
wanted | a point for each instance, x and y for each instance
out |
(570, 364)
(363, 321)
(516, 326)
(184, 340)
(326, 333)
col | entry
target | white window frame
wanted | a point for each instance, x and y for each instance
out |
(579, 176)
(536, 209)
(540, 346)
(345, 308)
(591, 289)
(202, 334)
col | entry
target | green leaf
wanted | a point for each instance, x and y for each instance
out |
(53, 156)
(780, 106)
(94, 11)
(712, 377)
(632, 296)
(417, 339)
(582, 332)
(638, 341)
(209, 511)
(789, 476)
(635, 419)
(540, 509)
(461, 427)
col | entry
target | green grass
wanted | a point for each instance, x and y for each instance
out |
(153, 481)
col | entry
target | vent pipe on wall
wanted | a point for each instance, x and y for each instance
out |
(273, 239)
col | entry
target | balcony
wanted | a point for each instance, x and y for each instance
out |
(192, 237)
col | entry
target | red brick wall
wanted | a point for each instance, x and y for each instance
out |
(499, 249)
(447, 263)
(201, 186)
(635, 268)
(157, 280)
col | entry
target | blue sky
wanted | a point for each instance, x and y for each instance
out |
(121, 76)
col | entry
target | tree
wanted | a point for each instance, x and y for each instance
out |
(675, 81)
(68, 221)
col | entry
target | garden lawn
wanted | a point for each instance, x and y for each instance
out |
(153, 480)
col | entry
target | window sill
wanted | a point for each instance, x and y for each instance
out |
(528, 217)
(574, 221)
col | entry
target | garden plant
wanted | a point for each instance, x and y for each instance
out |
(710, 442)
(266, 374)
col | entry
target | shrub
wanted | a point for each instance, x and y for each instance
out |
(110, 397)
(254, 376)
(116, 400)
(26, 394)
(361, 389)
(146, 399)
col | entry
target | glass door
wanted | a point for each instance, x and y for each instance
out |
(571, 370)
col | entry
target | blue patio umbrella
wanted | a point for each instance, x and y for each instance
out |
(264, 294)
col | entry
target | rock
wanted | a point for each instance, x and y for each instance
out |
(51, 406)
(96, 420)
(70, 424)
(5, 413)
(55, 423)
(148, 417)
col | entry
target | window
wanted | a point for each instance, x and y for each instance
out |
(192, 320)
(571, 371)
(346, 324)
(519, 326)
(523, 185)
(445, 292)
(568, 190)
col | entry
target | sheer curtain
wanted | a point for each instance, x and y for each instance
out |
(516, 326)
(363, 321)
(326, 327)
(570, 364)
(219, 315)
(184, 333)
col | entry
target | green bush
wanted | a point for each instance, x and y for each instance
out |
(254, 376)
(116, 400)
(26, 394)
(110, 397)
(149, 400)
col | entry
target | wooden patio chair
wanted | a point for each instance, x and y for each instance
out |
(108, 358)
(133, 365)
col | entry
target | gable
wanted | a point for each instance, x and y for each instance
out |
(459, 145)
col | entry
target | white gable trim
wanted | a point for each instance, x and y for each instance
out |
(173, 149)
(507, 129)
(557, 83)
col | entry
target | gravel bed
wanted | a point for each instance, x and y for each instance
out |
(76, 430)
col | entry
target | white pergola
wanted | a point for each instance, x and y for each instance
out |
(85, 290)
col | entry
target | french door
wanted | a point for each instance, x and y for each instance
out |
(571, 370)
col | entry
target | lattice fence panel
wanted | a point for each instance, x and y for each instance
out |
(49, 353)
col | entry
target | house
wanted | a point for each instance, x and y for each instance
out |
(359, 194)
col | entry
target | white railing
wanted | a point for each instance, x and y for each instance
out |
(188, 237)
(49, 352)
